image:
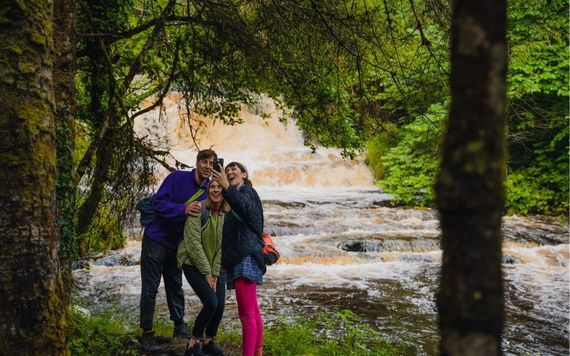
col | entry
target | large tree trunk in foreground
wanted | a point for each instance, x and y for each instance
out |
(31, 317)
(470, 193)
(64, 87)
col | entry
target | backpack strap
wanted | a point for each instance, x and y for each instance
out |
(204, 214)
(258, 234)
(195, 196)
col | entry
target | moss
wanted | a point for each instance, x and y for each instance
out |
(4, 16)
(14, 49)
(55, 318)
(38, 38)
(28, 67)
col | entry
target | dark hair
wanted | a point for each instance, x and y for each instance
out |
(205, 154)
(243, 169)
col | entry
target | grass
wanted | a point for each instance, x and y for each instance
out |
(108, 333)
(341, 333)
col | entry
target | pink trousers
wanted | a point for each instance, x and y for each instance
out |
(250, 317)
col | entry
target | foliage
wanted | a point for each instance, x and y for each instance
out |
(327, 334)
(537, 114)
(540, 189)
(353, 75)
(411, 163)
(341, 333)
(378, 146)
(104, 334)
(335, 65)
(106, 231)
(538, 108)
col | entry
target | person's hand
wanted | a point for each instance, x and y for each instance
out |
(212, 282)
(221, 178)
(193, 209)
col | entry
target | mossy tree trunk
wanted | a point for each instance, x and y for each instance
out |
(64, 85)
(470, 193)
(31, 307)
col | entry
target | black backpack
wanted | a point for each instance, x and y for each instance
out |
(144, 206)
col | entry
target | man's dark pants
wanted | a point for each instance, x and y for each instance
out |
(158, 261)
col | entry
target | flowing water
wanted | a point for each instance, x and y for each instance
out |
(344, 247)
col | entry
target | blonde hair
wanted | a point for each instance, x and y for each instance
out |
(225, 205)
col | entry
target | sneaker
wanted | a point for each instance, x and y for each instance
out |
(194, 350)
(148, 343)
(212, 348)
(181, 331)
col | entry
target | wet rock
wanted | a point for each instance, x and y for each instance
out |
(425, 245)
(284, 204)
(418, 258)
(79, 264)
(540, 229)
(510, 260)
(354, 246)
(118, 259)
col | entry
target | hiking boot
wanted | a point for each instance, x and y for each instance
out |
(212, 348)
(148, 343)
(194, 350)
(181, 331)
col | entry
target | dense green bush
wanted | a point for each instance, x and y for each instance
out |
(408, 168)
(537, 121)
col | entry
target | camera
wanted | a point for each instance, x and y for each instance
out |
(218, 164)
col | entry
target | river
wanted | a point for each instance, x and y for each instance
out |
(344, 247)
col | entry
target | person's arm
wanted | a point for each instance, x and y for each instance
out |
(163, 203)
(192, 245)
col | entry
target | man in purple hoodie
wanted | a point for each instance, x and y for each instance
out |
(160, 241)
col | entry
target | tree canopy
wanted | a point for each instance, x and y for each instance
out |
(353, 74)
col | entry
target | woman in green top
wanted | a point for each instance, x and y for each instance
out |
(200, 255)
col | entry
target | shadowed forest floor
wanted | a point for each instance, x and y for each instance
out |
(177, 347)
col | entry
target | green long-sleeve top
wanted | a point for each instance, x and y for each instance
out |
(202, 245)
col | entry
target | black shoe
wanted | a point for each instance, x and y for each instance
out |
(148, 343)
(212, 348)
(194, 350)
(181, 331)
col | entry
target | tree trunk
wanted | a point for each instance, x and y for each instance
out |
(31, 308)
(470, 193)
(64, 84)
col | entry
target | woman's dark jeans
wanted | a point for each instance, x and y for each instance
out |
(212, 303)
(158, 261)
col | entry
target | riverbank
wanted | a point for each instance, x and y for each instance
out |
(112, 333)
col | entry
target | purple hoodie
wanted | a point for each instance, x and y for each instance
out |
(168, 203)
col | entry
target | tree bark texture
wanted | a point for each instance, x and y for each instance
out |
(470, 193)
(64, 85)
(31, 317)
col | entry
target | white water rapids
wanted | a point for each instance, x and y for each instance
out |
(343, 247)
